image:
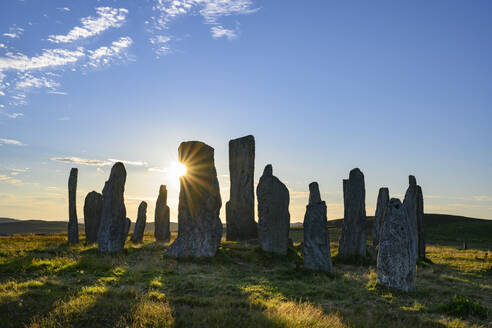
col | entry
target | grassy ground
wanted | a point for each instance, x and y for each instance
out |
(46, 283)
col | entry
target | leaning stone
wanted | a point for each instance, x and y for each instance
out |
(353, 239)
(199, 225)
(240, 209)
(162, 231)
(92, 215)
(410, 203)
(139, 229)
(382, 205)
(128, 224)
(396, 262)
(114, 224)
(273, 213)
(73, 224)
(420, 223)
(316, 246)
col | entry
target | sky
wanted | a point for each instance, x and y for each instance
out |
(392, 87)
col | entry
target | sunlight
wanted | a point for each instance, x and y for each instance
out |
(175, 171)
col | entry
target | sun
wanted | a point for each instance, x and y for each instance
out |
(176, 170)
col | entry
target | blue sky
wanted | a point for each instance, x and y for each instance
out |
(391, 87)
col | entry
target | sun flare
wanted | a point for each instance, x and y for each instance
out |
(176, 170)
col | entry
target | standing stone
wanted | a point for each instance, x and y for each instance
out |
(92, 215)
(410, 203)
(161, 217)
(316, 245)
(128, 224)
(273, 213)
(420, 223)
(381, 207)
(396, 262)
(353, 239)
(73, 224)
(199, 225)
(114, 223)
(139, 229)
(240, 209)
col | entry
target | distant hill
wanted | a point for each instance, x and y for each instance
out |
(6, 220)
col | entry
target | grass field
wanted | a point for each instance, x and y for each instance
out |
(46, 283)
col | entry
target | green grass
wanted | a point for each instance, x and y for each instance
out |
(44, 282)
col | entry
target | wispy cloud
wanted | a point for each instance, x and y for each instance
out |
(135, 163)
(64, 118)
(161, 44)
(14, 32)
(220, 31)
(49, 58)
(63, 9)
(107, 17)
(13, 142)
(11, 115)
(9, 179)
(104, 55)
(81, 161)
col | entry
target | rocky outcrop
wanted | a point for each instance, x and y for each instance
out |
(138, 231)
(92, 215)
(316, 245)
(240, 209)
(381, 207)
(162, 231)
(420, 223)
(396, 261)
(73, 224)
(273, 213)
(353, 239)
(199, 225)
(114, 224)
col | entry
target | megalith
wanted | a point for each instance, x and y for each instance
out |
(128, 224)
(353, 239)
(139, 228)
(316, 245)
(396, 261)
(381, 206)
(73, 224)
(114, 225)
(273, 213)
(420, 223)
(162, 230)
(199, 225)
(92, 215)
(240, 209)
(410, 203)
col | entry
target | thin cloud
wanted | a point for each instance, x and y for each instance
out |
(106, 18)
(48, 59)
(220, 32)
(12, 115)
(104, 55)
(161, 44)
(135, 163)
(9, 179)
(81, 161)
(13, 142)
(14, 32)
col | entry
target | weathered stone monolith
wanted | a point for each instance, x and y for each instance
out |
(73, 224)
(240, 209)
(162, 231)
(128, 224)
(114, 224)
(381, 207)
(92, 215)
(273, 213)
(199, 225)
(420, 223)
(316, 245)
(352, 243)
(396, 261)
(410, 203)
(139, 228)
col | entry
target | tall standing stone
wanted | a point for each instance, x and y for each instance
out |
(396, 262)
(128, 224)
(161, 217)
(273, 213)
(420, 223)
(114, 225)
(381, 207)
(92, 215)
(199, 225)
(139, 229)
(353, 239)
(410, 203)
(240, 209)
(316, 245)
(73, 224)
